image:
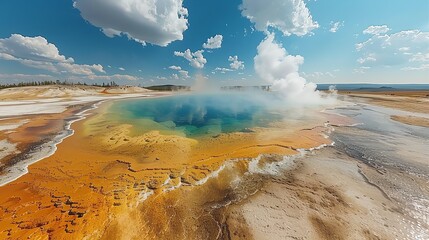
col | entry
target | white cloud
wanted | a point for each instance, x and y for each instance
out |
(319, 75)
(121, 68)
(175, 76)
(274, 65)
(214, 42)
(421, 67)
(115, 77)
(408, 48)
(288, 16)
(235, 63)
(184, 74)
(37, 52)
(335, 26)
(175, 68)
(196, 59)
(376, 30)
(223, 70)
(419, 57)
(8, 78)
(361, 70)
(159, 22)
(404, 49)
(366, 59)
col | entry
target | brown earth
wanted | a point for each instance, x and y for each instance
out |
(413, 101)
(412, 120)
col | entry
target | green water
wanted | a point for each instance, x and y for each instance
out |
(194, 115)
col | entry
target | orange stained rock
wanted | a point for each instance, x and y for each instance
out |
(99, 176)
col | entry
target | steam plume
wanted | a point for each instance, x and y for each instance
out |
(275, 66)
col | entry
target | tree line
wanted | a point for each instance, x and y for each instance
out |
(56, 82)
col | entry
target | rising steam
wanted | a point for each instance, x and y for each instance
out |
(275, 66)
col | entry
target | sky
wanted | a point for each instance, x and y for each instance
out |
(224, 42)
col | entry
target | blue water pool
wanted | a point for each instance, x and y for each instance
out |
(194, 115)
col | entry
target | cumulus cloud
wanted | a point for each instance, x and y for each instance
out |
(335, 26)
(183, 73)
(408, 48)
(214, 42)
(274, 65)
(235, 63)
(196, 59)
(288, 16)
(158, 22)
(376, 30)
(223, 70)
(175, 68)
(37, 52)
(175, 76)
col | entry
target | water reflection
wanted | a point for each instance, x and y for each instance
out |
(197, 115)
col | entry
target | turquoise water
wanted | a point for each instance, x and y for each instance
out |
(195, 115)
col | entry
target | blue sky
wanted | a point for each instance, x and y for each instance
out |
(328, 56)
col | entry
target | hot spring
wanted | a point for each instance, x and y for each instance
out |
(196, 115)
